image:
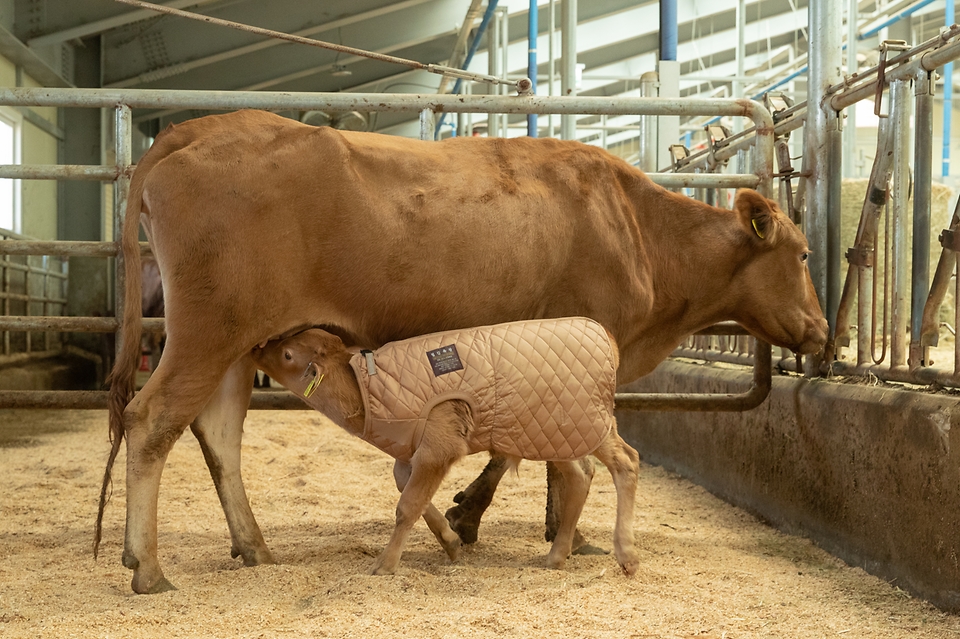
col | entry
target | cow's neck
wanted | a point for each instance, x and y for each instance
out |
(342, 402)
(691, 251)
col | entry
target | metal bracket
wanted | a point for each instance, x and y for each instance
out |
(860, 256)
(950, 240)
(885, 46)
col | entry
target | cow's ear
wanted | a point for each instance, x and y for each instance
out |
(756, 213)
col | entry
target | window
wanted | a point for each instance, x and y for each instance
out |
(10, 123)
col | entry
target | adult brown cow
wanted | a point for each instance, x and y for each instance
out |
(263, 226)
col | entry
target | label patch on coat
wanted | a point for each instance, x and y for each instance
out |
(445, 360)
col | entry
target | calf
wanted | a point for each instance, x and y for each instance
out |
(539, 390)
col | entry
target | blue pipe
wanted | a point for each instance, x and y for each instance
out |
(491, 7)
(668, 29)
(533, 28)
(903, 14)
(950, 15)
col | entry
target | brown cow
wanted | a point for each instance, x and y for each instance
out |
(540, 389)
(263, 226)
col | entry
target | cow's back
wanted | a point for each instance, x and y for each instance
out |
(384, 237)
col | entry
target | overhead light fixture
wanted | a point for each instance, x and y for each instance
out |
(341, 71)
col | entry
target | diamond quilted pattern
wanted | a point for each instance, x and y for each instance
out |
(540, 389)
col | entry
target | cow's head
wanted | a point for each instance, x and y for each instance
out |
(302, 361)
(776, 300)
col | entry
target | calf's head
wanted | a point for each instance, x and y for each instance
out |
(776, 300)
(301, 362)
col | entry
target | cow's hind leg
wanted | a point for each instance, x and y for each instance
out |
(472, 502)
(219, 429)
(624, 465)
(575, 488)
(436, 522)
(555, 498)
(153, 421)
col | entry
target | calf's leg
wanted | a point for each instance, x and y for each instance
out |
(443, 443)
(575, 488)
(219, 429)
(436, 522)
(624, 465)
(472, 502)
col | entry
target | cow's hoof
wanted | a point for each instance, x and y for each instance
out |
(382, 570)
(254, 557)
(587, 549)
(464, 522)
(630, 567)
(161, 585)
(556, 564)
(452, 548)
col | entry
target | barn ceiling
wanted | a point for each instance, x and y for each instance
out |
(617, 42)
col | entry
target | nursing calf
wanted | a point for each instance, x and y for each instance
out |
(540, 390)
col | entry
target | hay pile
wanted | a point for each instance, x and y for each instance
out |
(325, 502)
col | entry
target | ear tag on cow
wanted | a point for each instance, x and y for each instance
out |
(312, 386)
(756, 228)
(371, 364)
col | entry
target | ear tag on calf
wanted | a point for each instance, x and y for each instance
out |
(756, 228)
(371, 365)
(312, 386)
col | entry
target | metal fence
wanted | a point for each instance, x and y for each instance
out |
(32, 285)
(122, 101)
(887, 302)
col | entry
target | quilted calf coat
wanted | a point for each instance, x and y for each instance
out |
(538, 389)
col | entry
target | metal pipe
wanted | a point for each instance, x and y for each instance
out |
(922, 184)
(949, 18)
(822, 138)
(124, 156)
(504, 63)
(900, 121)
(850, 127)
(648, 124)
(946, 265)
(568, 64)
(533, 29)
(668, 30)
(427, 125)
(708, 401)
(20, 323)
(59, 172)
(64, 248)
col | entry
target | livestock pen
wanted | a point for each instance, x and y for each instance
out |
(820, 458)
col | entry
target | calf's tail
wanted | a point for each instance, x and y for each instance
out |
(122, 378)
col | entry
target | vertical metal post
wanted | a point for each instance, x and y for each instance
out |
(124, 145)
(568, 64)
(900, 121)
(850, 127)
(427, 124)
(741, 54)
(922, 183)
(823, 156)
(6, 301)
(950, 18)
(493, 68)
(504, 64)
(648, 124)
(533, 29)
(553, 60)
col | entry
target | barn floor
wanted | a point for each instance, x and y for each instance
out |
(325, 502)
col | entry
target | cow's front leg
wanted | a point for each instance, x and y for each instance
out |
(219, 429)
(472, 502)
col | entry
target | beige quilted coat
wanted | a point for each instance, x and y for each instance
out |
(539, 389)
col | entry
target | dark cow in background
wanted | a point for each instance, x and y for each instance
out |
(263, 226)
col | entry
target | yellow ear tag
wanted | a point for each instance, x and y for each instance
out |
(756, 228)
(312, 386)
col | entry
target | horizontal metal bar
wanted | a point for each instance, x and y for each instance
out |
(72, 324)
(762, 381)
(89, 172)
(706, 180)
(29, 269)
(64, 249)
(376, 102)
(19, 297)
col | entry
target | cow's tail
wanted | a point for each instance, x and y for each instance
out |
(122, 379)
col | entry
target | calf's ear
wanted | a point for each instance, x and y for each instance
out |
(756, 213)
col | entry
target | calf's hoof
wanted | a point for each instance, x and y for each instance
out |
(630, 566)
(379, 569)
(452, 548)
(464, 522)
(554, 563)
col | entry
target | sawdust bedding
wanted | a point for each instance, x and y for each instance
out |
(325, 502)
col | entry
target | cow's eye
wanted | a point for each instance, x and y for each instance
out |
(287, 356)
(804, 256)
